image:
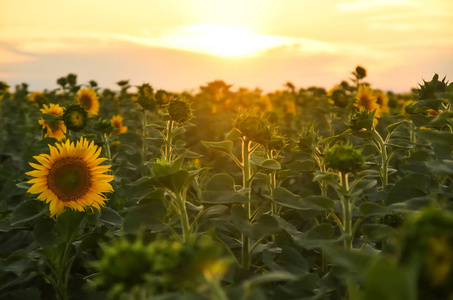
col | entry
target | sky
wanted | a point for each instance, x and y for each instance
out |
(179, 45)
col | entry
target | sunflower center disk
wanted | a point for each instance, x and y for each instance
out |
(69, 178)
(86, 102)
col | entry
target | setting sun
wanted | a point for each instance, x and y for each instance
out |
(221, 40)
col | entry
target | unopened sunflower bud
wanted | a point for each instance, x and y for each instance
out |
(162, 97)
(429, 89)
(361, 120)
(277, 142)
(103, 126)
(344, 158)
(179, 110)
(360, 72)
(308, 140)
(146, 102)
(253, 127)
(75, 117)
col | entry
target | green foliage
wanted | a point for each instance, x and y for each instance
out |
(226, 194)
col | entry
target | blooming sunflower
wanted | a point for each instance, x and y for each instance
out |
(383, 101)
(89, 100)
(117, 123)
(55, 129)
(71, 176)
(365, 99)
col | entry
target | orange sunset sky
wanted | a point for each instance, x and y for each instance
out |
(179, 45)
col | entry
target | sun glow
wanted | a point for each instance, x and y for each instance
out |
(221, 40)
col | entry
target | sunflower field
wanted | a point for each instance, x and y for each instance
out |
(301, 193)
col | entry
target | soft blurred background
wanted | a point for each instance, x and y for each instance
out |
(179, 45)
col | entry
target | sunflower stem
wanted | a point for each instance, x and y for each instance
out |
(347, 210)
(246, 185)
(181, 202)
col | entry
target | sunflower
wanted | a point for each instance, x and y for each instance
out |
(365, 99)
(71, 176)
(117, 123)
(383, 101)
(37, 97)
(57, 128)
(89, 100)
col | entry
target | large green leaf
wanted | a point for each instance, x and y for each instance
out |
(111, 217)
(265, 225)
(220, 190)
(223, 146)
(149, 216)
(377, 232)
(286, 198)
(27, 211)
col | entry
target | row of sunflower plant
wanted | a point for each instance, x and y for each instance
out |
(221, 194)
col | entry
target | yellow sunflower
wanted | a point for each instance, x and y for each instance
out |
(383, 101)
(117, 123)
(89, 100)
(71, 176)
(366, 100)
(55, 129)
(37, 97)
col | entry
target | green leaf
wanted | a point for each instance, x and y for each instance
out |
(223, 146)
(437, 137)
(148, 216)
(318, 236)
(392, 127)
(27, 211)
(291, 260)
(372, 209)
(285, 198)
(269, 164)
(273, 276)
(377, 232)
(176, 181)
(443, 167)
(111, 217)
(43, 232)
(302, 165)
(70, 224)
(220, 190)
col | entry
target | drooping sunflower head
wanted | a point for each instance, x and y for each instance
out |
(75, 117)
(71, 176)
(117, 123)
(53, 126)
(89, 100)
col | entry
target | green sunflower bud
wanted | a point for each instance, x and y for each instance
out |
(103, 126)
(429, 89)
(427, 242)
(253, 127)
(361, 120)
(124, 266)
(277, 142)
(75, 117)
(162, 97)
(146, 102)
(179, 110)
(340, 98)
(308, 140)
(344, 158)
